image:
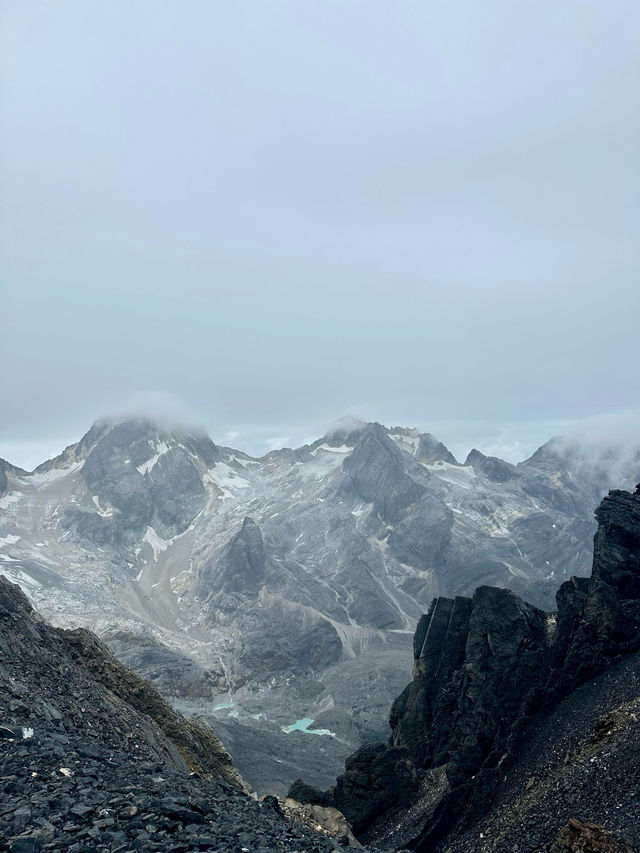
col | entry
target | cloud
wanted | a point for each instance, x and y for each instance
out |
(277, 442)
(161, 406)
(604, 448)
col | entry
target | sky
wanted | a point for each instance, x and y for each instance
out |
(263, 216)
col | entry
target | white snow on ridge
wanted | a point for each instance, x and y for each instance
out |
(161, 449)
(226, 478)
(408, 442)
(48, 477)
(26, 583)
(457, 475)
(9, 539)
(344, 448)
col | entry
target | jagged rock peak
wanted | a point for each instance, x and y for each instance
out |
(492, 467)
(13, 599)
(245, 560)
(241, 568)
(618, 518)
(431, 450)
(375, 471)
(139, 435)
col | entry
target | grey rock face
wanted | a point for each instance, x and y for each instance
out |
(167, 494)
(423, 539)
(298, 567)
(376, 473)
(242, 567)
(487, 671)
(173, 674)
(431, 450)
(496, 470)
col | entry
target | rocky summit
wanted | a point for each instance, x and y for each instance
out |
(277, 596)
(94, 760)
(520, 730)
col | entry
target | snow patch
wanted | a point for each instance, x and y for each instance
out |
(457, 475)
(157, 544)
(26, 583)
(9, 539)
(105, 513)
(327, 447)
(161, 448)
(407, 442)
(226, 479)
(48, 477)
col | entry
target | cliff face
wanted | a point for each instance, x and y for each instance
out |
(487, 671)
(477, 660)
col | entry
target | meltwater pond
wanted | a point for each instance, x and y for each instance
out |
(303, 726)
(223, 706)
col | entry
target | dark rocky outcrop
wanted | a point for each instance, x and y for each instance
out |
(487, 672)
(93, 759)
(478, 659)
(376, 778)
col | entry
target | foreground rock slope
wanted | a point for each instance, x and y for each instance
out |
(93, 759)
(517, 721)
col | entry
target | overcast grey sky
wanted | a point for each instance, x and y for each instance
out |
(266, 214)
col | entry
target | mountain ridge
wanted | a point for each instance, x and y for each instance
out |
(130, 533)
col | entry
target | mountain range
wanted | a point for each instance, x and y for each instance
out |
(278, 596)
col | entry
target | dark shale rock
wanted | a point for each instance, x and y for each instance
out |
(376, 778)
(478, 660)
(95, 760)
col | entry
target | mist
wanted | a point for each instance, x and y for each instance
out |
(272, 214)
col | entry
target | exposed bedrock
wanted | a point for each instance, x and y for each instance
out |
(375, 472)
(486, 671)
